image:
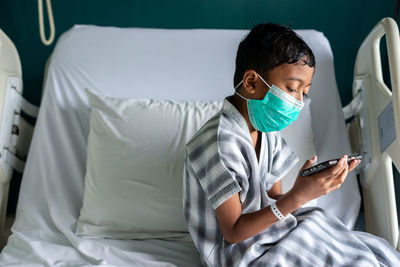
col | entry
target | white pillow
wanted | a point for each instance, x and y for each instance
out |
(135, 156)
(299, 137)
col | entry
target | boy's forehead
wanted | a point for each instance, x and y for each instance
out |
(296, 72)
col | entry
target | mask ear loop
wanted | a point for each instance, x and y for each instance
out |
(241, 96)
(238, 84)
(264, 81)
(237, 92)
(242, 82)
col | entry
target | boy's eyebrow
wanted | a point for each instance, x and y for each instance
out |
(296, 79)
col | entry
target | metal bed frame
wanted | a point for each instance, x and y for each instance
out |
(376, 112)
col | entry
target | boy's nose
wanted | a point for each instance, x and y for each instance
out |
(300, 97)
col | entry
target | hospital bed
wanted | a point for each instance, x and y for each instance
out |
(163, 65)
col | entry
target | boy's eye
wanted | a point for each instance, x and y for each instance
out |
(291, 90)
(294, 91)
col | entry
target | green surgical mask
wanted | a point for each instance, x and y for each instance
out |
(276, 111)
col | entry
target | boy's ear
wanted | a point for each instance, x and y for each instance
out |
(250, 78)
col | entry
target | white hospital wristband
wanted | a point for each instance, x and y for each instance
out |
(277, 212)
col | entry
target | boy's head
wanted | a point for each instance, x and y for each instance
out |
(277, 54)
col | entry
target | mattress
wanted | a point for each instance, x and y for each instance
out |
(141, 63)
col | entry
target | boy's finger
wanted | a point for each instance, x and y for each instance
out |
(309, 163)
(354, 164)
(341, 177)
(334, 170)
(334, 188)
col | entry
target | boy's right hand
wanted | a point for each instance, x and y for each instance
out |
(310, 187)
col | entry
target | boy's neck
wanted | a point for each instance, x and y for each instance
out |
(241, 105)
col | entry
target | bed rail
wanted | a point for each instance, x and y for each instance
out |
(376, 128)
(9, 66)
(15, 131)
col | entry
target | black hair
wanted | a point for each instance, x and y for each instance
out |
(267, 46)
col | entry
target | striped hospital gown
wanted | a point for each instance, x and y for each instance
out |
(220, 162)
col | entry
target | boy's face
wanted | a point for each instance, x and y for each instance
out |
(294, 79)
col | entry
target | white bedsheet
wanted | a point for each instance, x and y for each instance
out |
(137, 63)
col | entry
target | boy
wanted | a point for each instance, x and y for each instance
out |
(233, 202)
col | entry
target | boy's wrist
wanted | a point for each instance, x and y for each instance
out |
(288, 203)
(295, 199)
(277, 196)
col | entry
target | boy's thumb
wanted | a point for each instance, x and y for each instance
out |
(309, 162)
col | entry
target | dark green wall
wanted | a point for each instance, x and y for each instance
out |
(345, 23)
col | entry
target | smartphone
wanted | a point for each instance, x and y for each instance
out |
(327, 164)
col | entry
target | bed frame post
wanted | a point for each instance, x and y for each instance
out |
(377, 110)
(10, 66)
